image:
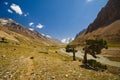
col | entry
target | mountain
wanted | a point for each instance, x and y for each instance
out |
(67, 40)
(106, 25)
(12, 26)
(107, 15)
(27, 56)
(81, 32)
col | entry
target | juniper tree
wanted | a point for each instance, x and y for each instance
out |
(71, 48)
(94, 47)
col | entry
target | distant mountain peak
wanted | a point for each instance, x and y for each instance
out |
(67, 40)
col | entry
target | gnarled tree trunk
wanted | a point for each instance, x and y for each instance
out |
(85, 58)
(74, 55)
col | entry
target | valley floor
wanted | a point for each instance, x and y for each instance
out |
(33, 63)
(100, 58)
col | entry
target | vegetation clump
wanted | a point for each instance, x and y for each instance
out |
(96, 65)
(94, 47)
(31, 57)
(71, 48)
(3, 40)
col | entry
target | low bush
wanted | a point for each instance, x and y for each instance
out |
(3, 40)
(95, 64)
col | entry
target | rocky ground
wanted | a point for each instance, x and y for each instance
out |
(18, 63)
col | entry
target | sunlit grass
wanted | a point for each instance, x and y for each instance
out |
(114, 44)
(14, 59)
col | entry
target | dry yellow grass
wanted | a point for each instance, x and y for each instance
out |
(28, 60)
(7, 36)
(20, 62)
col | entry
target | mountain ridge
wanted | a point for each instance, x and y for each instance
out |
(106, 25)
(20, 29)
(107, 15)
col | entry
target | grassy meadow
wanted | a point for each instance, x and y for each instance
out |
(32, 60)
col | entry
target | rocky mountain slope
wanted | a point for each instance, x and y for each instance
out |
(107, 15)
(81, 32)
(106, 25)
(13, 26)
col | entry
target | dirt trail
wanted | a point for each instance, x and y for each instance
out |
(28, 67)
(100, 58)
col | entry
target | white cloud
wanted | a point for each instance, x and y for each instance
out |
(10, 11)
(26, 14)
(31, 24)
(40, 26)
(16, 8)
(89, 0)
(6, 3)
(31, 29)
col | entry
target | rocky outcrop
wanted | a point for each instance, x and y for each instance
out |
(107, 15)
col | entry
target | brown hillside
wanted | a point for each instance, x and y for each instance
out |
(7, 25)
(106, 25)
(111, 33)
(107, 15)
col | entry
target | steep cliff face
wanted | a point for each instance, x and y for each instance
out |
(106, 25)
(107, 15)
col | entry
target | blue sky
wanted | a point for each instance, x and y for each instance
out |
(57, 18)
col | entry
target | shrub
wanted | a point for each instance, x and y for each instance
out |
(95, 64)
(3, 40)
(94, 47)
(71, 48)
